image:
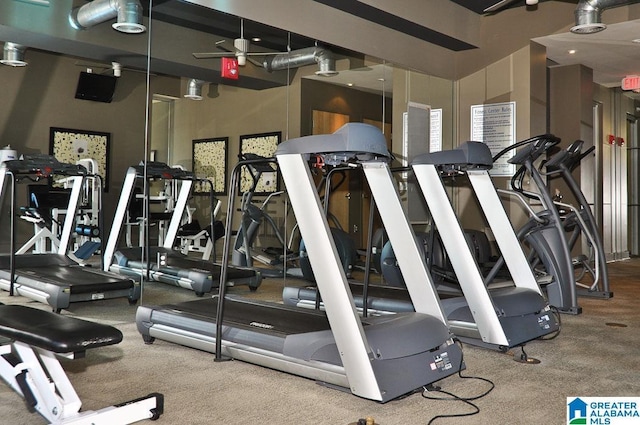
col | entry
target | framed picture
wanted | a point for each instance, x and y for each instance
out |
(265, 145)
(210, 162)
(69, 146)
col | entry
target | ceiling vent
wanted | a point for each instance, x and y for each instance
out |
(13, 54)
(297, 58)
(128, 12)
(194, 89)
(589, 15)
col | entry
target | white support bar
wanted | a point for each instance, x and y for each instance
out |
(502, 230)
(178, 211)
(70, 217)
(462, 260)
(3, 175)
(119, 217)
(403, 240)
(56, 399)
(330, 277)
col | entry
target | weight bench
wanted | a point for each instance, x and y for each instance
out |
(31, 341)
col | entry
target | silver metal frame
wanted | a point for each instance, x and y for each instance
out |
(121, 212)
(466, 268)
(403, 239)
(330, 277)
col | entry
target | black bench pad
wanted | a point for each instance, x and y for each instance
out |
(53, 332)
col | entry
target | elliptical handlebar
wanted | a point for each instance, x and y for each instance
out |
(538, 145)
(548, 141)
(569, 157)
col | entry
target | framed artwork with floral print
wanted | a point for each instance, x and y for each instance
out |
(210, 162)
(69, 145)
(265, 145)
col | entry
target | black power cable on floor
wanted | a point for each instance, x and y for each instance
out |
(556, 313)
(452, 397)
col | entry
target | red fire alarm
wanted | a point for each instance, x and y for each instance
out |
(229, 68)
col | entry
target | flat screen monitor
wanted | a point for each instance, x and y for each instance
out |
(96, 87)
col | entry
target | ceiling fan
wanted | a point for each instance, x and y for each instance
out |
(240, 50)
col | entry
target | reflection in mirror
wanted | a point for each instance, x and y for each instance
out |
(153, 70)
(305, 102)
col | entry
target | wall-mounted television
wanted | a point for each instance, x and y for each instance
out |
(96, 87)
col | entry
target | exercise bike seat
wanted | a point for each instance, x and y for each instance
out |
(54, 332)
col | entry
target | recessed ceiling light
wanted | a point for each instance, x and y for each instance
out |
(572, 51)
(381, 79)
(256, 39)
(350, 84)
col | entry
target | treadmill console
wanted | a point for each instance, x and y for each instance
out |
(161, 170)
(43, 166)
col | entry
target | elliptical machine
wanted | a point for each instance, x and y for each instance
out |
(580, 221)
(280, 260)
(544, 232)
(253, 217)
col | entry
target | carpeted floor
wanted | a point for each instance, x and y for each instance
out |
(596, 354)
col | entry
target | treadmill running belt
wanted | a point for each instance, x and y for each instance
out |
(242, 313)
(61, 271)
(176, 261)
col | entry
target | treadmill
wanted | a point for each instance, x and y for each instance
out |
(54, 278)
(498, 318)
(165, 264)
(378, 358)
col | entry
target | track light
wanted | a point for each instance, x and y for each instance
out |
(13, 54)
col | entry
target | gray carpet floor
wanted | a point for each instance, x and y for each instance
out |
(596, 354)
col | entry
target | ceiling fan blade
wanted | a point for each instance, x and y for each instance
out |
(92, 65)
(498, 5)
(264, 53)
(255, 62)
(224, 45)
(211, 55)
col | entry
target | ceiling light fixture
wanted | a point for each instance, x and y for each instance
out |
(588, 15)
(572, 51)
(13, 54)
(194, 89)
(128, 12)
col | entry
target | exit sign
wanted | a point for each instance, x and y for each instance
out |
(631, 82)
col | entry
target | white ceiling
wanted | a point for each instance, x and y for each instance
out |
(612, 53)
